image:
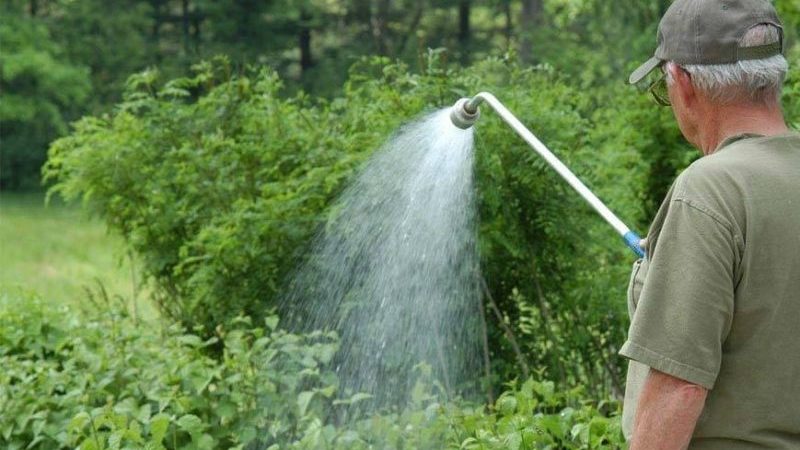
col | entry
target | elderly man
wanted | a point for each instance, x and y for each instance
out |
(714, 342)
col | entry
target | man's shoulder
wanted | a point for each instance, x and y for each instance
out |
(744, 154)
(736, 163)
(706, 175)
(725, 182)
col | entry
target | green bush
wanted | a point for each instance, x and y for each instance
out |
(100, 380)
(218, 183)
(216, 194)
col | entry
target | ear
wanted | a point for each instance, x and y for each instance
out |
(682, 83)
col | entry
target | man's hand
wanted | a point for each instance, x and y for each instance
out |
(667, 412)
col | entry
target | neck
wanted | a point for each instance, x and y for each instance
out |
(723, 122)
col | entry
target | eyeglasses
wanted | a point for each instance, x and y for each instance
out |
(658, 89)
(656, 85)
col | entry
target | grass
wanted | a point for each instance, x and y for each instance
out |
(57, 251)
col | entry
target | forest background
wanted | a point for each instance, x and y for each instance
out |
(211, 136)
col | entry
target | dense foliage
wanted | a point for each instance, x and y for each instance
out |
(219, 183)
(310, 43)
(41, 94)
(218, 194)
(98, 380)
(69, 379)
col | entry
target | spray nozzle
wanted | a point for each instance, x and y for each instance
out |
(464, 113)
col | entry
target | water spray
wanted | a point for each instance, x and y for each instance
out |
(465, 113)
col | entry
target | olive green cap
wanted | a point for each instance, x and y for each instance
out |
(709, 31)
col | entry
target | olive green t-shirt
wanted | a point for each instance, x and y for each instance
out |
(716, 302)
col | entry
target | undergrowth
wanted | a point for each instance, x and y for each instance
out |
(99, 380)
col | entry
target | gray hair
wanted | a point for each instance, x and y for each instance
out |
(758, 80)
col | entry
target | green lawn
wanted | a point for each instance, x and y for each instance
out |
(57, 251)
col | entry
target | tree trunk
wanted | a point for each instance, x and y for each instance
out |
(33, 7)
(464, 32)
(306, 60)
(155, 31)
(360, 18)
(361, 13)
(509, 28)
(185, 26)
(530, 18)
(380, 26)
(197, 20)
(400, 49)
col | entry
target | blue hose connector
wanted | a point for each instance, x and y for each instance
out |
(632, 241)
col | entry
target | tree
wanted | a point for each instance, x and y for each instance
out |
(111, 38)
(464, 33)
(42, 92)
(529, 19)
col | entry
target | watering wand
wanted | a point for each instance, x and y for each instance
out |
(465, 113)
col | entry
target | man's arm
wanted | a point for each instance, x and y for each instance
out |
(667, 412)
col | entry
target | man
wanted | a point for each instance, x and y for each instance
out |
(714, 341)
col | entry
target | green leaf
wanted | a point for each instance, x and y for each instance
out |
(358, 397)
(513, 441)
(191, 340)
(327, 391)
(506, 405)
(114, 440)
(134, 433)
(247, 435)
(89, 444)
(272, 322)
(303, 400)
(158, 427)
(580, 433)
(191, 424)
(204, 442)
(79, 422)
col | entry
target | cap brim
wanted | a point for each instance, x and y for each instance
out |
(644, 70)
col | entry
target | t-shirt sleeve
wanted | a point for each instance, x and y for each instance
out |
(686, 305)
